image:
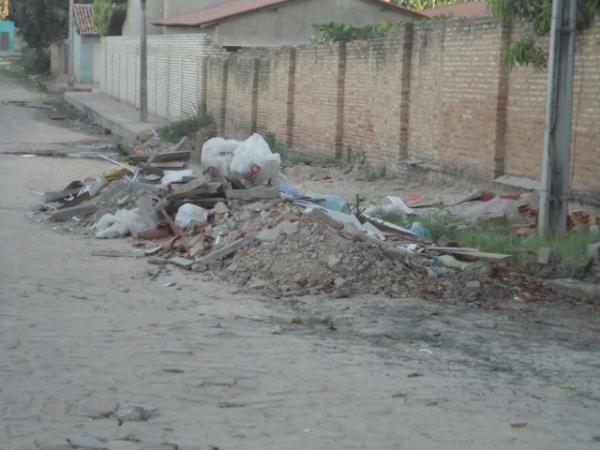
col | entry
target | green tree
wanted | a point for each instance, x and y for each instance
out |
(420, 5)
(529, 49)
(42, 22)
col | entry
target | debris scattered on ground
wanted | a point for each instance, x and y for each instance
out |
(235, 216)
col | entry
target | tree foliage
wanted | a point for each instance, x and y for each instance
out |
(42, 22)
(341, 32)
(3, 9)
(528, 49)
(420, 5)
(102, 11)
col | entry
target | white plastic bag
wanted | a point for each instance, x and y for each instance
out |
(254, 161)
(217, 154)
(122, 223)
(175, 176)
(189, 215)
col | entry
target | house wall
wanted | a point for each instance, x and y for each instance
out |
(154, 11)
(292, 23)
(176, 71)
(84, 57)
(58, 61)
(436, 92)
(7, 26)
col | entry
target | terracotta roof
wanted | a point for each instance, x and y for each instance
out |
(468, 9)
(233, 8)
(83, 20)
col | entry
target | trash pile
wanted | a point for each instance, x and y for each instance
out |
(236, 217)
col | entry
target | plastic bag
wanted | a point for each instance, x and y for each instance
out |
(254, 161)
(217, 154)
(189, 215)
(122, 223)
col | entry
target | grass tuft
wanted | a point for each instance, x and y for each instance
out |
(498, 236)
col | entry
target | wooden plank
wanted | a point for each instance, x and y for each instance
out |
(472, 252)
(168, 165)
(173, 156)
(320, 216)
(119, 253)
(257, 193)
(82, 210)
(224, 252)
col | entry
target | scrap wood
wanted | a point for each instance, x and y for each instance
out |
(173, 156)
(199, 185)
(320, 216)
(119, 253)
(82, 210)
(398, 230)
(256, 193)
(128, 168)
(225, 251)
(167, 165)
(464, 251)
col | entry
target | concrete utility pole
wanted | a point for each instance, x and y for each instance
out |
(143, 66)
(71, 45)
(554, 193)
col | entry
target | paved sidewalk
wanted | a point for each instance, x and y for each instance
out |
(120, 118)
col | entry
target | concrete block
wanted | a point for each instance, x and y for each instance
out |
(593, 251)
(574, 288)
(544, 255)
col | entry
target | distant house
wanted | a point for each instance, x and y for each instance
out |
(86, 35)
(467, 9)
(260, 23)
(7, 37)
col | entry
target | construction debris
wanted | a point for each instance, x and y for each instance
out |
(236, 218)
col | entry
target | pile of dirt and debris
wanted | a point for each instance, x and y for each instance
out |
(235, 217)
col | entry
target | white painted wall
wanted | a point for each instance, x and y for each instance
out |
(175, 71)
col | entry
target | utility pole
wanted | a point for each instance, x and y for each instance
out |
(143, 66)
(71, 53)
(554, 192)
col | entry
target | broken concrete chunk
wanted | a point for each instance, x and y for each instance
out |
(128, 412)
(544, 255)
(574, 288)
(268, 234)
(593, 251)
(184, 263)
(86, 442)
(80, 211)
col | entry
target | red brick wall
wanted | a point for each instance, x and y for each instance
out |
(316, 99)
(372, 99)
(525, 119)
(436, 91)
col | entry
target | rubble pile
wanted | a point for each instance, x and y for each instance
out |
(236, 218)
(302, 256)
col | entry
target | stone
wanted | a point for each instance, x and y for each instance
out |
(544, 254)
(134, 413)
(333, 261)
(474, 285)
(87, 442)
(124, 445)
(268, 234)
(593, 251)
(574, 288)
(288, 228)
(339, 282)
(95, 408)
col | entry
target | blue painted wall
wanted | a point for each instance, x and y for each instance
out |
(7, 26)
(84, 57)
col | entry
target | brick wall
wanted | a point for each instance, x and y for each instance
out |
(176, 71)
(435, 92)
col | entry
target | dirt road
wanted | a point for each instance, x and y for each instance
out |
(80, 335)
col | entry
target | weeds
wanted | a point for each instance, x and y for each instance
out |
(292, 158)
(498, 236)
(186, 127)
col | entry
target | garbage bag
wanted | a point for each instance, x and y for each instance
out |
(189, 215)
(217, 154)
(254, 161)
(122, 223)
